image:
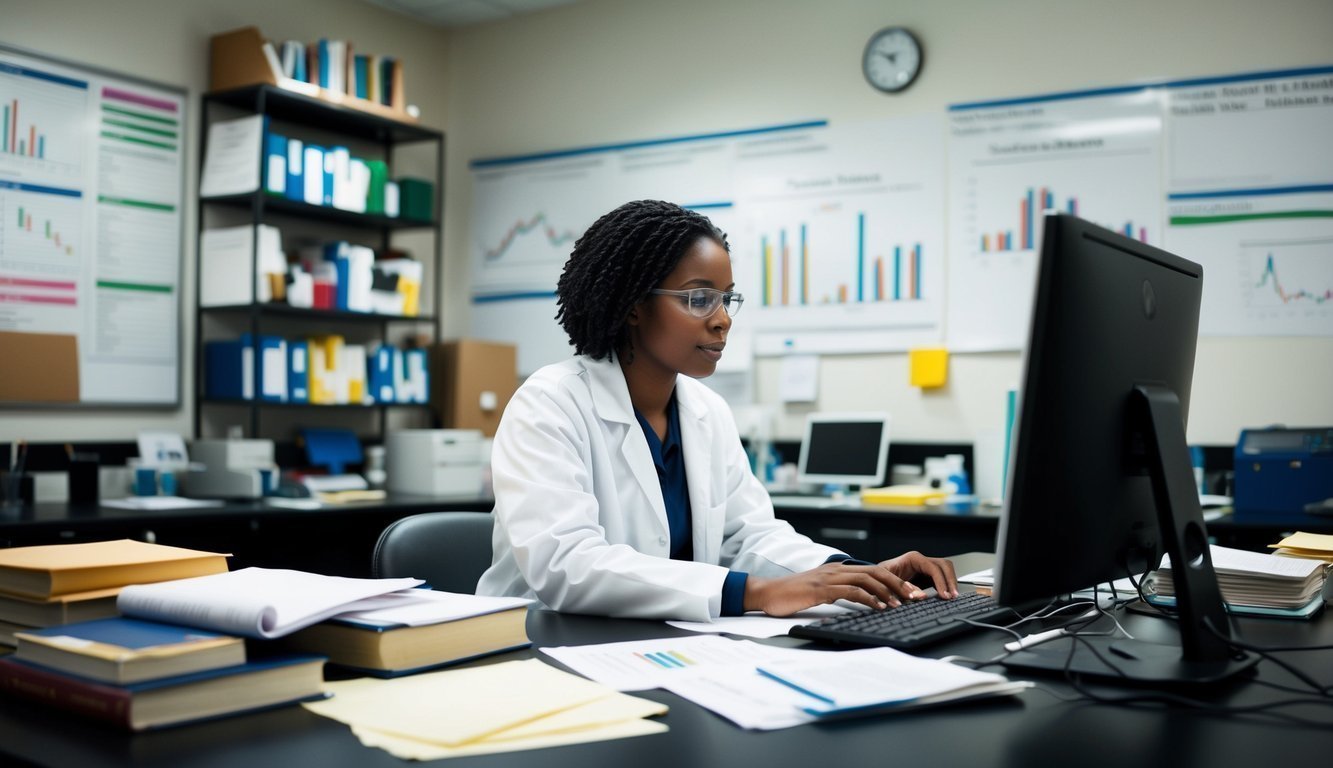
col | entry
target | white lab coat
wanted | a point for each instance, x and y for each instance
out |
(580, 524)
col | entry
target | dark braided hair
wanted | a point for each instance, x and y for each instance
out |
(621, 257)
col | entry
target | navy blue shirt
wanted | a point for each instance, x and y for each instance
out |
(669, 459)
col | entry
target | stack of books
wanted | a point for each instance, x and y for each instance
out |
(1253, 583)
(142, 675)
(57, 584)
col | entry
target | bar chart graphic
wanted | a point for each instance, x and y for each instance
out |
(1030, 208)
(873, 274)
(40, 124)
(37, 234)
(18, 140)
(1097, 157)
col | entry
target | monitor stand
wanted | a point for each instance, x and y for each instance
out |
(1203, 656)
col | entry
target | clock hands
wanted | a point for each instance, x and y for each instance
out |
(892, 57)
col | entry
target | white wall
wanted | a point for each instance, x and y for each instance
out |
(613, 70)
(167, 41)
(609, 70)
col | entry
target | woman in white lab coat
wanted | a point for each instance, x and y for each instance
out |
(621, 487)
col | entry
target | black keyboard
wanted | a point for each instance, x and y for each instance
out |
(913, 624)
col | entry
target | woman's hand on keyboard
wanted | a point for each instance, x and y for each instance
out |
(938, 569)
(876, 586)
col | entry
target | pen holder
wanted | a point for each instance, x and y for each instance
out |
(84, 479)
(16, 490)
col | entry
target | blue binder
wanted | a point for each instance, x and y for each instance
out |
(380, 376)
(295, 179)
(298, 371)
(226, 364)
(271, 384)
(275, 164)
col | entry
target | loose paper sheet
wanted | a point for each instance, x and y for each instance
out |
(457, 707)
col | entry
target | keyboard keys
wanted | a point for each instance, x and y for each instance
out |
(911, 625)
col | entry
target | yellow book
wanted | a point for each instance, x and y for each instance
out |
(902, 495)
(60, 569)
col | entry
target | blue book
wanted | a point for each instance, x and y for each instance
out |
(323, 55)
(362, 76)
(123, 650)
(261, 684)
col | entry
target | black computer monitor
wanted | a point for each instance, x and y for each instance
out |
(1100, 481)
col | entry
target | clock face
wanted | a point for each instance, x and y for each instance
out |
(892, 59)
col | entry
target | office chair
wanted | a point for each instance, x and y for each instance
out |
(450, 550)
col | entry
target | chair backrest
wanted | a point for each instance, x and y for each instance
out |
(450, 550)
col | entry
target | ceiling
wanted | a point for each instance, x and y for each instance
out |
(461, 13)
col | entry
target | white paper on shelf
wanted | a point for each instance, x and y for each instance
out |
(231, 165)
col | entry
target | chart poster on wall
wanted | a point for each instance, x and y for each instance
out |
(1096, 154)
(91, 187)
(1250, 197)
(841, 237)
(528, 211)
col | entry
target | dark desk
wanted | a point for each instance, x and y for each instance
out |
(335, 539)
(1039, 728)
(872, 532)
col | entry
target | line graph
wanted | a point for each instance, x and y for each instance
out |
(555, 237)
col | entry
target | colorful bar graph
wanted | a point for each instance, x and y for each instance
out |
(48, 231)
(786, 270)
(13, 141)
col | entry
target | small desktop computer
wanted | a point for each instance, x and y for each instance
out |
(844, 449)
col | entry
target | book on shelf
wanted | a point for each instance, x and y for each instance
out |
(259, 684)
(261, 603)
(49, 570)
(880, 679)
(429, 629)
(60, 609)
(123, 650)
(1253, 579)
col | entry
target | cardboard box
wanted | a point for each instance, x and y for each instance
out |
(471, 383)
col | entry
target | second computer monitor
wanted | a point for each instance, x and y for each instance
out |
(845, 449)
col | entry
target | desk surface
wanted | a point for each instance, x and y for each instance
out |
(1041, 727)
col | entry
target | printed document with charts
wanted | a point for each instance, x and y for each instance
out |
(765, 687)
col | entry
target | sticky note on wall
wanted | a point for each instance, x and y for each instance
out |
(929, 367)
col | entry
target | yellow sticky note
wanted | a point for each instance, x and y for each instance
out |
(929, 367)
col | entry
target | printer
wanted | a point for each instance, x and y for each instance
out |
(434, 462)
(232, 469)
(1281, 470)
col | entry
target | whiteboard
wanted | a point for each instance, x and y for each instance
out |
(92, 186)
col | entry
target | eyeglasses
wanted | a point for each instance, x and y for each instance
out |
(703, 302)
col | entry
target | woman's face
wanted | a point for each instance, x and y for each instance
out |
(666, 335)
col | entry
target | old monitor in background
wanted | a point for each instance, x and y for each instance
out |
(844, 449)
(1100, 482)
